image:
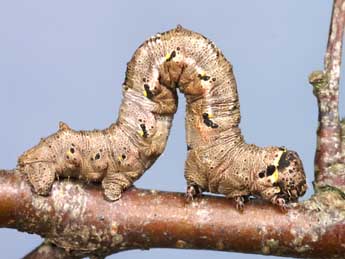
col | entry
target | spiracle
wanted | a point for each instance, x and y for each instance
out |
(218, 160)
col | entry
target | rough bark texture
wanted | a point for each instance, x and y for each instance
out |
(343, 141)
(328, 171)
(143, 219)
(49, 251)
(76, 220)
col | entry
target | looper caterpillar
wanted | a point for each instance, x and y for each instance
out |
(218, 160)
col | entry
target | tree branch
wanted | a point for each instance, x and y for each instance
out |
(49, 251)
(326, 90)
(78, 219)
(342, 123)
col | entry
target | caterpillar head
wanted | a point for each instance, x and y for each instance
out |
(284, 173)
(291, 178)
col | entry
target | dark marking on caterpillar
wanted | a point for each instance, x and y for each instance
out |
(282, 148)
(220, 161)
(270, 170)
(189, 147)
(262, 174)
(148, 91)
(143, 127)
(283, 162)
(172, 55)
(208, 122)
(204, 77)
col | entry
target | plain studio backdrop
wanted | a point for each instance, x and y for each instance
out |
(66, 60)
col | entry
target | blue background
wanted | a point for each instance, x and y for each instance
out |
(65, 60)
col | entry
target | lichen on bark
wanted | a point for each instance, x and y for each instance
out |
(76, 221)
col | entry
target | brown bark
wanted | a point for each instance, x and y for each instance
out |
(77, 218)
(49, 251)
(342, 123)
(326, 90)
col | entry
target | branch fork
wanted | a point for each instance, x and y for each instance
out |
(77, 222)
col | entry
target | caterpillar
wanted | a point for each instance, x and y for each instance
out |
(218, 159)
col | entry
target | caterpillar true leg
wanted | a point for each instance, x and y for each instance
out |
(219, 160)
(195, 176)
(239, 202)
(280, 202)
(193, 190)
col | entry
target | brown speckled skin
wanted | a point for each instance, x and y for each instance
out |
(118, 155)
(218, 159)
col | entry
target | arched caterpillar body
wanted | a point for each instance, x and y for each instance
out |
(218, 160)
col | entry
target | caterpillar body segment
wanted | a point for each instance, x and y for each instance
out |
(218, 161)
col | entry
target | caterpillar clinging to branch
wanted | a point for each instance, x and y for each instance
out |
(218, 160)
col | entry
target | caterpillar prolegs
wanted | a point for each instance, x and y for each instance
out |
(219, 160)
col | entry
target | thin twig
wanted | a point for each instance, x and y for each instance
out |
(49, 251)
(342, 123)
(326, 90)
(76, 220)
